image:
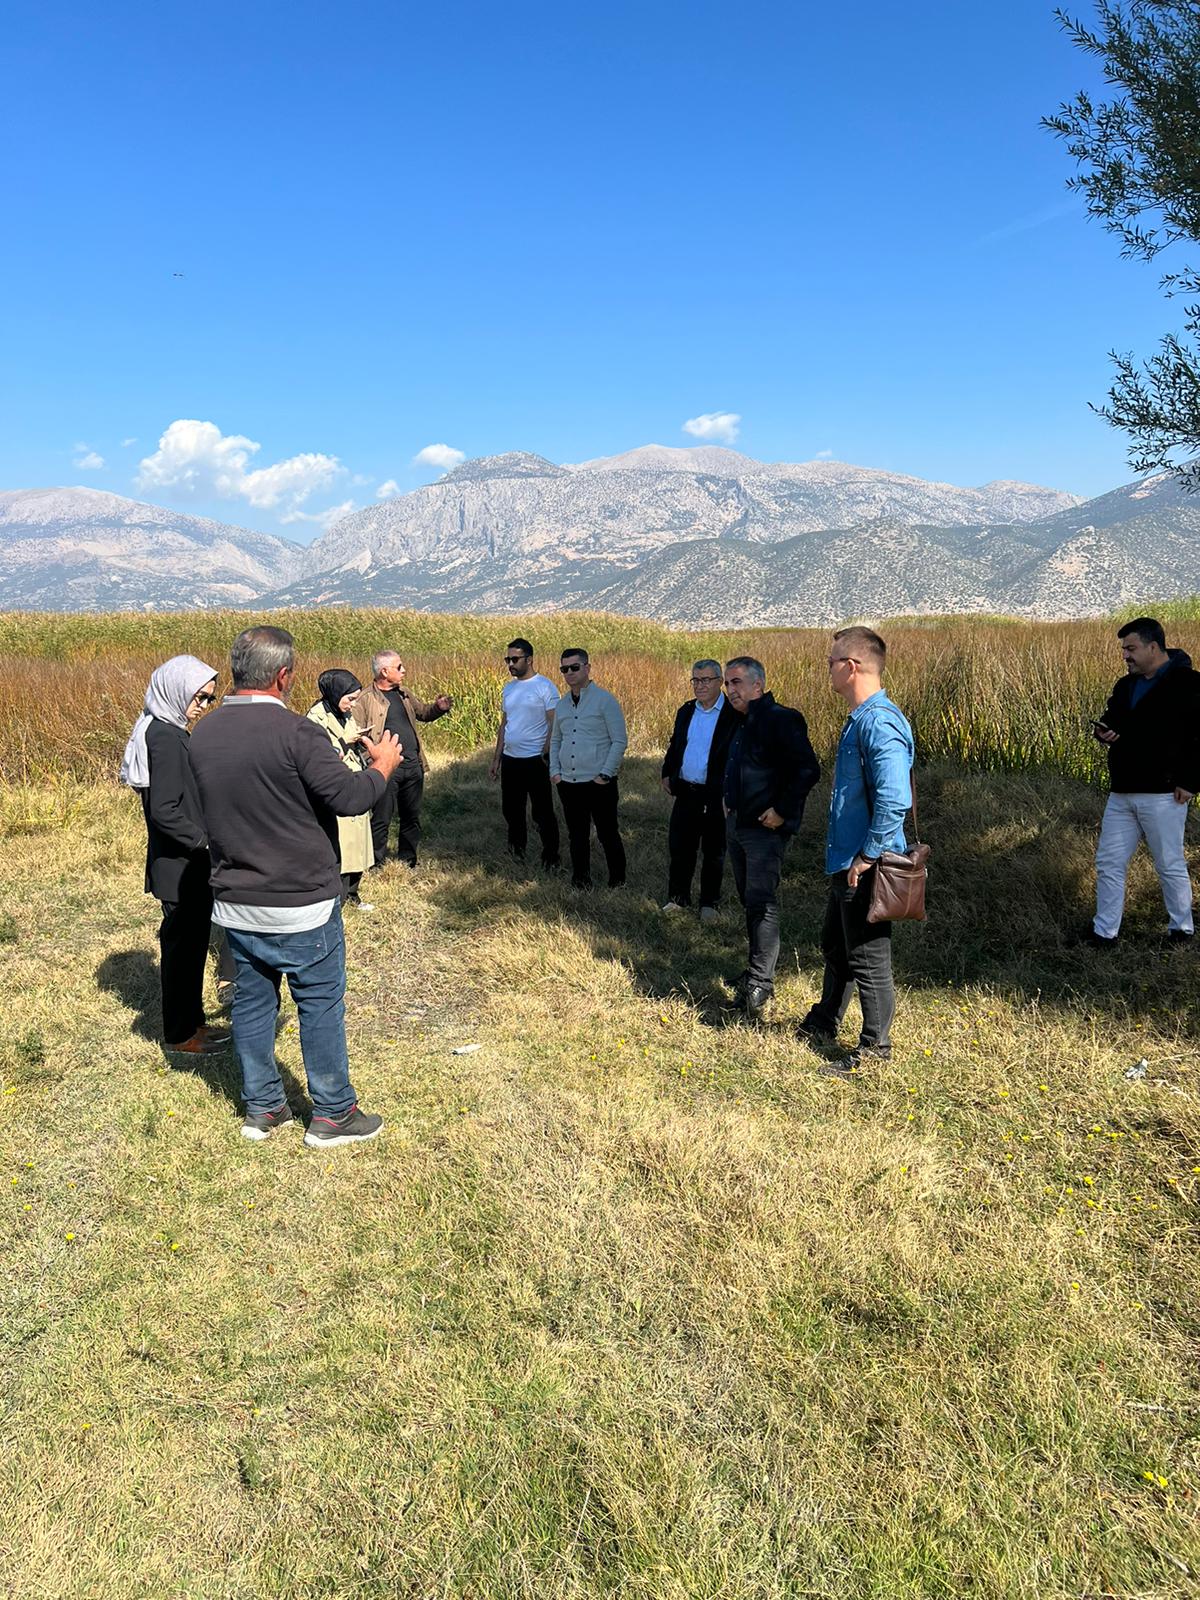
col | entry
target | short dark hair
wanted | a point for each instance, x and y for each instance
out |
(523, 645)
(258, 655)
(866, 640)
(1148, 629)
(755, 668)
(582, 654)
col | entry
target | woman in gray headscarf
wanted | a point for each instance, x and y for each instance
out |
(156, 764)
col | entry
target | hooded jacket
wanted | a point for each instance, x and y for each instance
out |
(771, 763)
(1158, 748)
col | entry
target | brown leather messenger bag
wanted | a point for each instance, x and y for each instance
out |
(898, 883)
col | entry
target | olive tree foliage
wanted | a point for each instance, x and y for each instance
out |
(1139, 159)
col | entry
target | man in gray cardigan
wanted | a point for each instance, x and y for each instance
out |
(586, 746)
(271, 788)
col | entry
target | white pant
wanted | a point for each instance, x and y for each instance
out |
(1128, 819)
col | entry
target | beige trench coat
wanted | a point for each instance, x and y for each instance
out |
(355, 848)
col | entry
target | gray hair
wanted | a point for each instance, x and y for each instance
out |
(711, 666)
(380, 658)
(258, 655)
(754, 668)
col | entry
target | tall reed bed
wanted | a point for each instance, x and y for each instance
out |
(993, 694)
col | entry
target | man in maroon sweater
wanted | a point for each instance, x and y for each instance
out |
(271, 789)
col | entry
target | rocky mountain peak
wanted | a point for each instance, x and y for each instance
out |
(514, 464)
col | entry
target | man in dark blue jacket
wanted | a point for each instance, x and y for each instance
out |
(770, 770)
(693, 773)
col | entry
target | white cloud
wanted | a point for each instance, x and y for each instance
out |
(125, 443)
(386, 490)
(87, 459)
(323, 519)
(439, 455)
(196, 460)
(823, 455)
(719, 425)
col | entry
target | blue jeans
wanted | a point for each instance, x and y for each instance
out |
(315, 965)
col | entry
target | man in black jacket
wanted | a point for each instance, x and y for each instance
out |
(770, 770)
(272, 787)
(693, 772)
(1151, 726)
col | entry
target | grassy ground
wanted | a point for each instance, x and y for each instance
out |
(626, 1303)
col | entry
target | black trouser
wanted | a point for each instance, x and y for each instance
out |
(525, 780)
(183, 952)
(858, 955)
(402, 800)
(756, 856)
(584, 804)
(350, 885)
(697, 821)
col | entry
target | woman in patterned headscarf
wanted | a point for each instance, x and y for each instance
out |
(156, 764)
(339, 690)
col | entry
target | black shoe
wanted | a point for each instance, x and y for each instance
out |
(852, 1064)
(262, 1124)
(516, 855)
(551, 866)
(350, 1128)
(814, 1032)
(616, 883)
(1179, 936)
(581, 883)
(758, 998)
(862, 1057)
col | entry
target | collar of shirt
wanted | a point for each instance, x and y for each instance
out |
(253, 700)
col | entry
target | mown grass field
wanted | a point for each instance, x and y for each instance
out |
(629, 1302)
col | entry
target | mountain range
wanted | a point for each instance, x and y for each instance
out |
(692, 537)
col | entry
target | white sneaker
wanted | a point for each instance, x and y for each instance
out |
(673, 905)
(365, 905)
(708, 914)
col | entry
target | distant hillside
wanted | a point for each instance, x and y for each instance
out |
(700, 537)
(83, 549)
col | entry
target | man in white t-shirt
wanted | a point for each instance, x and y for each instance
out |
(522, 746)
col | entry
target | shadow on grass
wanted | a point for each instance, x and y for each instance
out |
(1011, 886)
(132, 976)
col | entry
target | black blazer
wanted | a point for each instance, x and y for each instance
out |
(771, 763)
(717, 756)
(177, 861)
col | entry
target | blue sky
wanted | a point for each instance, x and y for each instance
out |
(559, 228)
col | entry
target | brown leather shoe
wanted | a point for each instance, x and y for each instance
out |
(205, 1041)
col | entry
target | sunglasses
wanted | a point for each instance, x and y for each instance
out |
(576, 666)
(514, 661)
(204, 699)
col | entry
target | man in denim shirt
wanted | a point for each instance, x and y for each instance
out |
(872, 790)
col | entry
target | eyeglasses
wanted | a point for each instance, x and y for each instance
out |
(204, 699)
(708, 679)
(575, 666)
(514, 661)
(836, 661)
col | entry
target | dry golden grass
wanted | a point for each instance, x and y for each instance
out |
(991, 693)
(627, 1303)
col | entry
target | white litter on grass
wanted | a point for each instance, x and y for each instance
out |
(465, 1049)
(1139, 1069)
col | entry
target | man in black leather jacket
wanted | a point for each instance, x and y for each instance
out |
(770, 770)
